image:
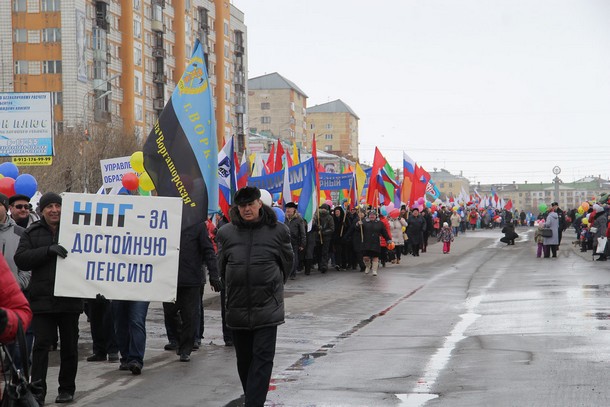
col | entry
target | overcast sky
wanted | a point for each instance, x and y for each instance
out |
(500, 90)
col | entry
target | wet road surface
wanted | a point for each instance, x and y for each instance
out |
(488, 324)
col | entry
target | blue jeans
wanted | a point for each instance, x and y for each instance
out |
(130, 327)
(456, 230)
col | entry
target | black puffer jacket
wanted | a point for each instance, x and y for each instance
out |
(372, 230)
(254, 260)
(196, 249)
(32, 255)
(296, 225)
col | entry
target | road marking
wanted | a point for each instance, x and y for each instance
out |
(421, 392)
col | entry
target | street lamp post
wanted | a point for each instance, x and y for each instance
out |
(85, 129)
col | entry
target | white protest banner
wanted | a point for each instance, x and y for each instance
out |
(123, 247)
(113, 170)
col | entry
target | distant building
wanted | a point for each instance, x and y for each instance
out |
(277, 108)
(449, 184)
(529, 196)
(109, 61)
(335, 125)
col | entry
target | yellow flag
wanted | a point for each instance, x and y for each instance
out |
(295, 155)
(360, 179)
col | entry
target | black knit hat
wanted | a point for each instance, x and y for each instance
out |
(291, 205)
(246, 195)
(49, 198)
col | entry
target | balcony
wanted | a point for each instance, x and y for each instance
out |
(159, 77)
(239, 49)
(158, 52)
(157, 26)
(100, 55)
(240, 109)
(158, 103)
(101, 116)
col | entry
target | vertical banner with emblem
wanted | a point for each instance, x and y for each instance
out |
(123, 247)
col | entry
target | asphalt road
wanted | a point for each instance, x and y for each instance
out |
(487, 324)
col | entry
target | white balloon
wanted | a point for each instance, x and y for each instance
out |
(266, 197)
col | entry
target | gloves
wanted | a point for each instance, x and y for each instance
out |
(217, 285)
(3, 320)
(57, 250)
(100, 298)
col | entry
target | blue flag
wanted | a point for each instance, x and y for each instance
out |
(181, 153)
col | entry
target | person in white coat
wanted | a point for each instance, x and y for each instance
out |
(551, 244)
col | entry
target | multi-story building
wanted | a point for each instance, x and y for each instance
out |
(118, 61)
(335, 125)
(449, 184)
(529, 196)
(277, 108)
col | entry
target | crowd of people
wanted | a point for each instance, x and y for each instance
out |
(247, 259)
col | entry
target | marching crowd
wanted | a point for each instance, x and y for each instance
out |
(247, 259)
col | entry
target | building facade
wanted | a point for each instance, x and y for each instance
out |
(111, 61)
(335, 126)
(449, 184)
(277, 108)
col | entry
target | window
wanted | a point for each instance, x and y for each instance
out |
(51, 5)
(99, 39)
(226, 28)
(265, 106)
(137, 29)
(157, 13)
(265, 120)
(328, 148)
(20, 5)
(328, 136)
(57, 97)
(312, 126)
(51, 66)
(139, 112)
(137, 84)
(292, 106)
(21, 67)
(137, 56)
(51, 35)
(329, 126)
(20, 35)
(136, 4)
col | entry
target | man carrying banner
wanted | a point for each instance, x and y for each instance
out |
(254, 259)
(38, 251)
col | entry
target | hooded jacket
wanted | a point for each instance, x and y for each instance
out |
(32, 254)
(254, 260)
(10, 234)
(13, 302)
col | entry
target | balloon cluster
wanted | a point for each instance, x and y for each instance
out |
(132, 181)
(12, 183)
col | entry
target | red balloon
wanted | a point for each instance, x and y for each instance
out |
(7, 186)
(130, 181)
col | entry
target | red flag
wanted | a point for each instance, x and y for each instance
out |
(420, 180)
(378, 163)
(279, 153)
(271, 160)
(509, 205)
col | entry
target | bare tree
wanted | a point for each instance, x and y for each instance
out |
(77, 157)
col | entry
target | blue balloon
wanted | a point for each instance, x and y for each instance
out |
(26, 184)
(9, 169)
(384, 211)
(280, 214)
(276, 196)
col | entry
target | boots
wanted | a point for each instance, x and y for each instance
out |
(307, 267)
(367, 264)
(374, 266)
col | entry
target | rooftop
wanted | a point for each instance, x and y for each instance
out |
(273, 81)
(336, 106)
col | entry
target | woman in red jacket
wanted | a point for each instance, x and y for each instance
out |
(13, 305)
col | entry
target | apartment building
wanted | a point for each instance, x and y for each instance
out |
(277, 108)
(118, 61)
(335, 126)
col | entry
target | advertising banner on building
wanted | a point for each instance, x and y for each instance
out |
(26, 124)
(113, 170)
(123, 247)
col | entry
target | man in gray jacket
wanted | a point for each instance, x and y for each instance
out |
(254, 259)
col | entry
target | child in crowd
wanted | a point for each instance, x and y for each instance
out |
(539, 239)
(586, 237)
(446, 236)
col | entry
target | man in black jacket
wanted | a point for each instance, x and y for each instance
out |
(298, 238)
(38, 251)
(196, 249)
(254, 260)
